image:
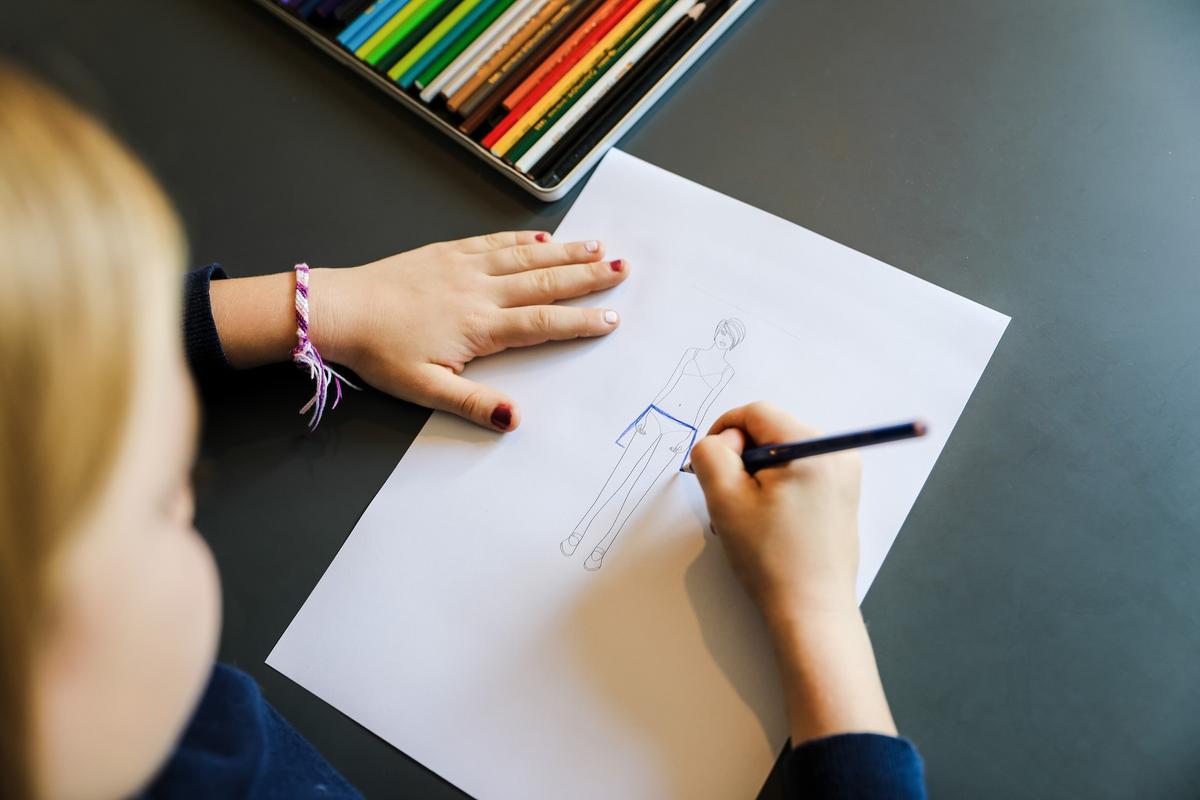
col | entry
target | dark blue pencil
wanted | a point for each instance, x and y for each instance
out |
(757, 458)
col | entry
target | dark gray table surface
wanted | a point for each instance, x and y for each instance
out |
(1036, 623)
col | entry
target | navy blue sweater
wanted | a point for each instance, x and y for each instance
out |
(237, 745)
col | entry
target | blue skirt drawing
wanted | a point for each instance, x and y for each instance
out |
(653, 443)
(657, 439)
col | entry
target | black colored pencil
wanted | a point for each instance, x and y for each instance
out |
(415, 35)
(348, 11)
(483, 104)
(757, 458)
(596, 124)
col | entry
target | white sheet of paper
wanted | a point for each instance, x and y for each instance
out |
(452, 624)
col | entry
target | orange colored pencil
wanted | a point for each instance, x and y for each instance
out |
(581, 33)
(504, 54)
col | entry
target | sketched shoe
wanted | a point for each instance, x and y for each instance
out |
(569, 544)
(594, 561)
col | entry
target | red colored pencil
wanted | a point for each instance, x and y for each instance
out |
(602, 12)
(582, 49)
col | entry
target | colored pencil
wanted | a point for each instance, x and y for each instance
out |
(326, 10)
(351, 10)
(485, 48)
(773, 455)
(397, 47)
(598, 122)
(539, 83)
(513, 98)
(491, 39)
(307, 7)
(456, 26)
(529, 58)
(550, 121)
(399, 72)
(481, 107)
(619, 27)
(466, 39)
(371, 20)
(560, 122)
(523, 37)
(582, 47)
(398, 20)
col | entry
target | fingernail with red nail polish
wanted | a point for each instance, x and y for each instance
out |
(617, 265)
(543, 237)
(502, 416)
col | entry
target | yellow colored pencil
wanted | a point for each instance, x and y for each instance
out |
(389, 26)
(422, 47)
(547, 101)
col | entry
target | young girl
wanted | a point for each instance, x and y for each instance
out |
(109, 602)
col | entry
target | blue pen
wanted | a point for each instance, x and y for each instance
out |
(771, 455)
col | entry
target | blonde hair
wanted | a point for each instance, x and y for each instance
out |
(84, 231)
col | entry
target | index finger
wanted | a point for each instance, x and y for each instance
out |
(764, 424)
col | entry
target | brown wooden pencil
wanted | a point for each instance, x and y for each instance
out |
(579, 34)
(501, 57)
(482, 106)
(521, 61)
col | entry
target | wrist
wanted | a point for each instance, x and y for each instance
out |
(329, 310)
(830, 679)
(814, 611)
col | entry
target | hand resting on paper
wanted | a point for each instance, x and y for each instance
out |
(791, 535)
(408, 324)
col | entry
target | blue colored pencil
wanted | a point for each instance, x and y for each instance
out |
(368, 22)
(772, 455)
(408, 78)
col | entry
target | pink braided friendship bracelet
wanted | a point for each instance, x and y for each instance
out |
(305, 356)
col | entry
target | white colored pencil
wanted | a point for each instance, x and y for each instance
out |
(605, 83)
(491, 40)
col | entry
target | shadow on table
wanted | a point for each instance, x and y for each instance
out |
(631, 645)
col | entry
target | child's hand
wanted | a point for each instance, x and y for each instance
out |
(410, 323)
(791, 532)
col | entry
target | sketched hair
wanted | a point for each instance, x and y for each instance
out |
(734, 328)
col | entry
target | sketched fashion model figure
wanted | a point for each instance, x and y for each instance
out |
(661, 436)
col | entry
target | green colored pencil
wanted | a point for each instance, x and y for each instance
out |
(369, 46)
(433, 37)
(580, 87)
(375, 56)
(462, 43)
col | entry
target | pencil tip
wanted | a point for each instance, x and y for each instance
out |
(920, 428)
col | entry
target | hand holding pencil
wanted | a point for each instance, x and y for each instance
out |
(791, 533)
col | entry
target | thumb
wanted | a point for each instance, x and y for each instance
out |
(717, 462)
(483, 405)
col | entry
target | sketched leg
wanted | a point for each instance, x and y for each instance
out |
(632, 455)
(662, 458)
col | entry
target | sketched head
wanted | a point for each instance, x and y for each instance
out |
(729, 333)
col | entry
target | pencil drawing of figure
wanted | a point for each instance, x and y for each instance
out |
(661, 436)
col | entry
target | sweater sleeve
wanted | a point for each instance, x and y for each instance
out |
(855, 766)
(204, 352)
(237, 745)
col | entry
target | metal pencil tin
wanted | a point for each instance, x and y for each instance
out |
(544, 193)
